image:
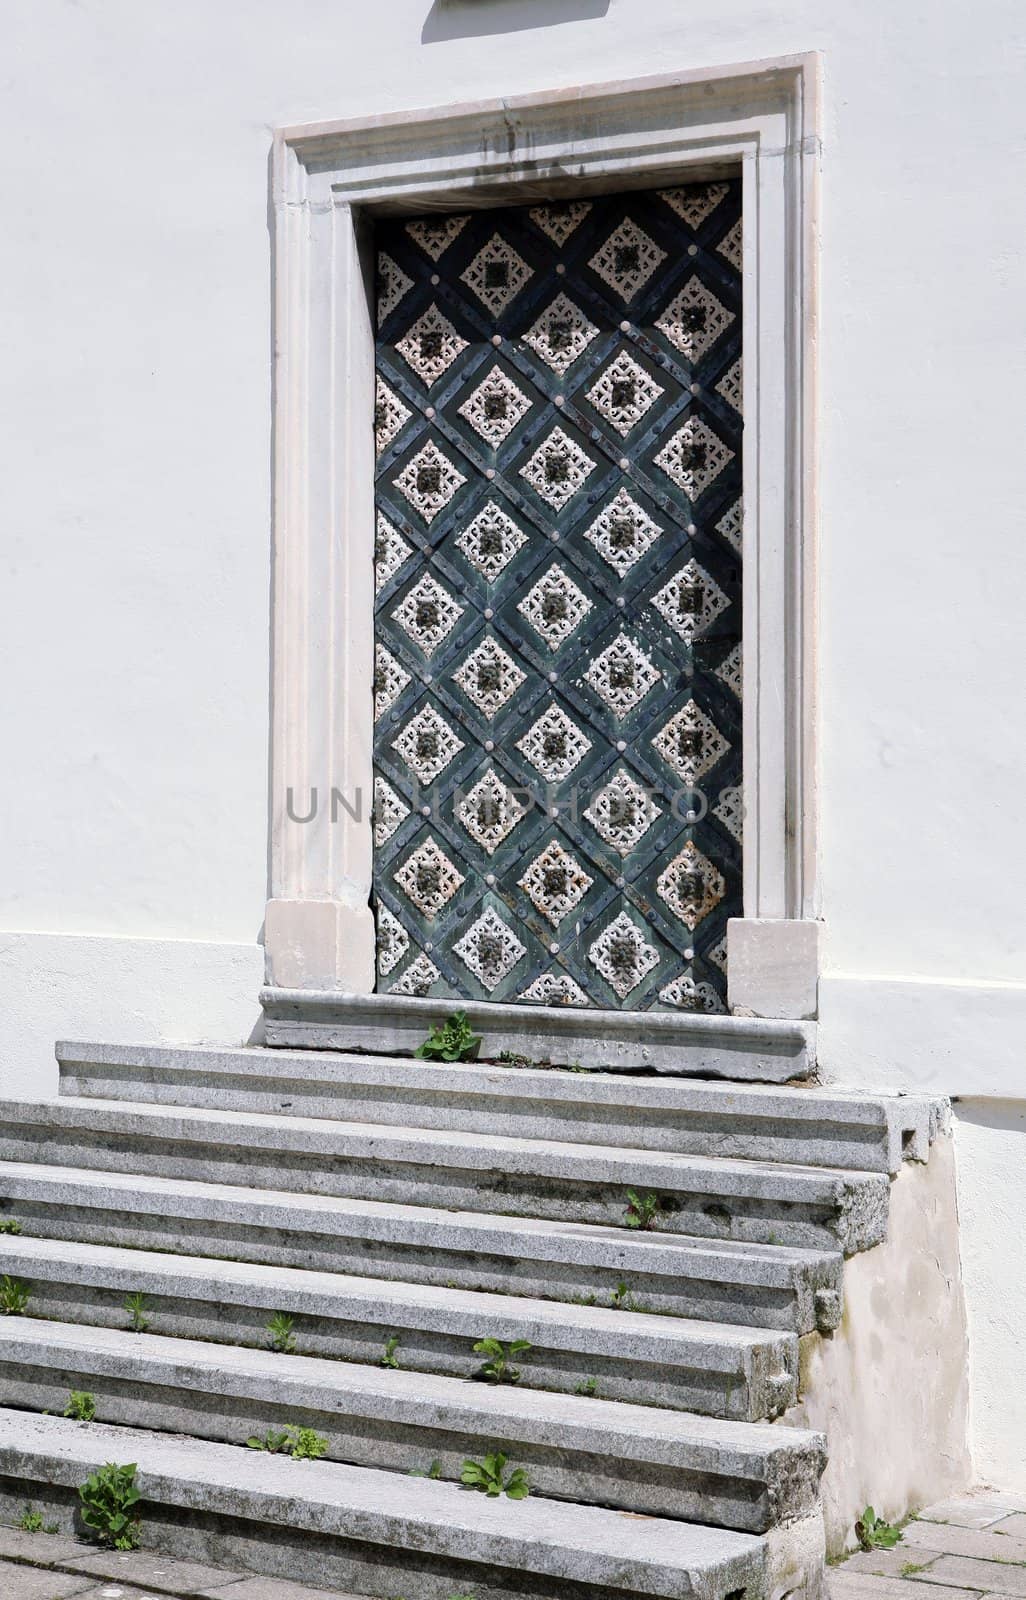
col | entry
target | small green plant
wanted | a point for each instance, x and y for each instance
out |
(280, 1329)
(513, 1058)
(14, 1296)
(31, 1520)
(910, 1568)
(433, 1471)
(272, 1441)
(642, 1210)
(874, 1534)
(491, 1478)
(497, 1367)
(302, 1444)
(451, 1040)
(107, 1497)
(135, 1305)
(81, 1406)
(589, 1387)
(389, 1358)
(10, 1225)
(622, 1299)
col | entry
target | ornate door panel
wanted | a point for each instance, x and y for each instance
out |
(557, 807)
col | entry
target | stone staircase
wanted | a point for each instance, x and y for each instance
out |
(410, 1209)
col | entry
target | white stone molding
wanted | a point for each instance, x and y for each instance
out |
(329, 182)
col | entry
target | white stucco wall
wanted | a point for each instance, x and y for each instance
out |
(135, 454)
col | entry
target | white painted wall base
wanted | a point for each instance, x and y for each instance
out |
(890, 1388)
(928, 1035)
(990, 1138)
(58, 985)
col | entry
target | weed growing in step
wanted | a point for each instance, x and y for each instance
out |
(10, 1225)
(302, 1444)
(451, 1040)
(874, 1534)
(81, 1406)
(280, 1329)
(497, 1367)
(491, 1478)
(390, 1359)
(272, 1441)
(135, 1305)
(14, 1296)
(513, 1058)
(31, 1520)
(107, 1497)
(433, 1471)
(589, 1388)
(622, 1299)
(910, 1568)
(642, 1210)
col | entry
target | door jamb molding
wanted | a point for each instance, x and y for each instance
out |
(329, 180)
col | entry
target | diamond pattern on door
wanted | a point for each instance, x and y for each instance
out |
(558, 802)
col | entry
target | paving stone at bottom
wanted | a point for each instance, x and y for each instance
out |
(864, 1586)
(972, 1511)
(984, 1576)
(1014, 1525)
(45, 1549)
(148, 1569)
(952, 1540)
(889, 1563)
(38, 1583)
(276, 1589)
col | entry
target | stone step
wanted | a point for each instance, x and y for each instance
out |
(344, 1527)
(753, 1122)
(698, 1045)
(702, 1196)
(762, 1285)
(599, 1452)
(717, 1369)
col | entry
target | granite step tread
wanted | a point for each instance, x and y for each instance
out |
(810, 1126)
(712, 1195)
(719, 1369)
(348, 1523)
(693, 1044)
(671, 1463)
(768, 1285)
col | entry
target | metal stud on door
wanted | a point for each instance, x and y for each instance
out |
(558, 811)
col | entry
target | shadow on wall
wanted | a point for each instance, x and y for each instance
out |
(467, 19)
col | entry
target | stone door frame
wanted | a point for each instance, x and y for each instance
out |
(329, 180)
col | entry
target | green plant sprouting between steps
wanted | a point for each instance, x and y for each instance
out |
(491, 1477)
(874, 1534)
(498, 1364)
(108, 1496)
(10, 1225)
(282, 1337)
(81, 1406)
(31, 1520)
(642, 1210)
(389, 1357)
(433, 1471)
(302, 1444)
(135, 1305)
(451, 1040)
(622, 1299)
(14, 1296)
(513, 1058)
(588, 1387)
